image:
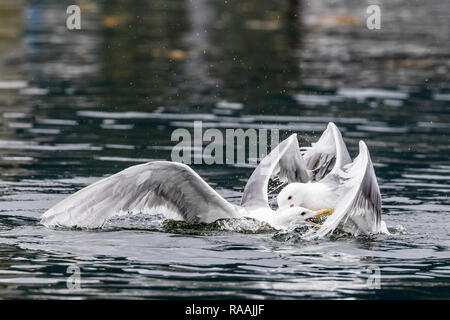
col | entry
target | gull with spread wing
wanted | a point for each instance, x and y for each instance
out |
(178, 192)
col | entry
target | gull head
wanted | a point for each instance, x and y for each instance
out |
(310, 215)
(292, 196)
(285, 217)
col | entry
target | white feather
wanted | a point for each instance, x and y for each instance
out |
(286, 162)
(328, 154)
(359, 208)
(142, 188)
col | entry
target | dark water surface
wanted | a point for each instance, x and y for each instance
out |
(79, 105)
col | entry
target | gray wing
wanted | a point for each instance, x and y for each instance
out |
(326, 155)
(358, 210)
(159, 185)
(286, 162)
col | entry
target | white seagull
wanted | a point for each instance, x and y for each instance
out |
(333, 181)
(178, 192)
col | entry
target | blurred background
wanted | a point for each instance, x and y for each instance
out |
(73, 97)
(76, 105)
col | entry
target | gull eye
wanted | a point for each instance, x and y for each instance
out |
(303, 213)
(290, 197)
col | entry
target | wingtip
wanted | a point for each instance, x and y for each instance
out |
(331, 125)
(363, 149)
(362, 145)
(333, 128)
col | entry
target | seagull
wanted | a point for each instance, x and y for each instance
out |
(178, 192)
(326, 177)
(322, 179)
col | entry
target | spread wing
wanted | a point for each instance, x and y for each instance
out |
(286, 162)
(326, 155)
(159, 185)
(359, 208)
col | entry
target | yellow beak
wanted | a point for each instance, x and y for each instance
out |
(322, 211)
(319, 213)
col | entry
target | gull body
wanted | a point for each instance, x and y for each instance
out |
(311, 195)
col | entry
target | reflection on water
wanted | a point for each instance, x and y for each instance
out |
(78, 105)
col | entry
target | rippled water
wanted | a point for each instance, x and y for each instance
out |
(79, 105)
